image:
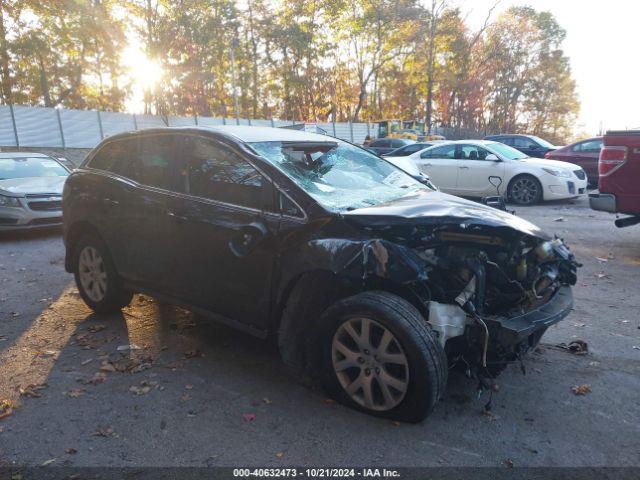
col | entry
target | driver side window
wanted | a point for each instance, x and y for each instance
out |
(215, 172)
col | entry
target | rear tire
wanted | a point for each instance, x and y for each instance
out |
(525, 190)
(96, 277)
(380, 357)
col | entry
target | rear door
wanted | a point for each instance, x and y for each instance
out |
(146, 228)
(441, 165)
(129, 197)
(476, 174)
(224, 195)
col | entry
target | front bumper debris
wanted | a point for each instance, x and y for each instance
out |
(514, 330)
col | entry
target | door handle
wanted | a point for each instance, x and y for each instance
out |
(426, 165)
(463, 168)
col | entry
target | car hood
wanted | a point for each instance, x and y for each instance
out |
(31, 185)
(404, 163)
(544, 163)
(437, 208)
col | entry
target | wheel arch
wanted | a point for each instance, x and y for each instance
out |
(526, 173)
(299, 309)
(72, 237)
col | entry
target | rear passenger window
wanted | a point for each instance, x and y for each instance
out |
(217, 173)
(155, 162)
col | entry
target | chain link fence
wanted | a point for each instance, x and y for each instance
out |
(22, 126)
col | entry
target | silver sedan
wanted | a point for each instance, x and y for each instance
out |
(30, 190)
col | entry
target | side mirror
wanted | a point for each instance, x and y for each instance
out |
(248, 238)
(492, 158)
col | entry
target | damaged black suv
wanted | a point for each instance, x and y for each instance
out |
(368, 279)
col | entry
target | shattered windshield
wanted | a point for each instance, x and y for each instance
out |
(338, 175)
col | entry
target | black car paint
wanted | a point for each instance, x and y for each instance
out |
(535, 150)
(180, 247)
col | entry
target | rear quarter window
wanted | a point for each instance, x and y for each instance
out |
(115, 157)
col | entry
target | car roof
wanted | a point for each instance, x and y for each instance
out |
(244, 133)
(466, 142)
(23, 155)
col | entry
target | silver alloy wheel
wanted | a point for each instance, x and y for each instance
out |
(524, 190)
(92, 273)
(370, 364)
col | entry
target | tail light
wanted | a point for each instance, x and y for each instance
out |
(611, 159)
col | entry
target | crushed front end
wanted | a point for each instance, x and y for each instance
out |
(491, 298)
(490, 283)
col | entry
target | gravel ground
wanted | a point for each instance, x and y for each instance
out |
(198, 394)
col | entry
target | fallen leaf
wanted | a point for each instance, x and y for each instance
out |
(124, 348)
(140, 390)
(267, 401)
(188, 387)
(581, 389)
(249, 417)
(72, 451)
(32, 391)
(329, 401)
(104, 432)
(107, 367)
(76, 392)
(6, 409)
(96, 328)
(89, 360)
(395, 423)
(185, 398)
(508, 463)
(174, 365)
(48, 462)
(280, 454)
(600, 259)
(559, 219)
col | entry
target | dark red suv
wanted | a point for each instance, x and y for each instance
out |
(584, 153)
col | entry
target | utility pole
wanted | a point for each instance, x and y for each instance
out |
(234, 44)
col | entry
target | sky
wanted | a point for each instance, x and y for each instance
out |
(603, 38)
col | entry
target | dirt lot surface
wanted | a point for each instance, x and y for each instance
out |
(199, 394)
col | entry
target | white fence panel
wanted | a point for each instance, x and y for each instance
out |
(343, 131)
(261, 123)
(149, 121)
(210, 121)
(360, 131)
(7, 134)
(81, 128)
(175, 121)
(37, 127)
(115, 122)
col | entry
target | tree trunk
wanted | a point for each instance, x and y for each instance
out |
(4, 59)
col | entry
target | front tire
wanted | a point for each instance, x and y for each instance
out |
(525, 190)
(96, 277)
(380, 357)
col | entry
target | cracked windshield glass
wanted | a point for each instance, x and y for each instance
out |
(338, 175)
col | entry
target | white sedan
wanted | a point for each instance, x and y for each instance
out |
(478, 168)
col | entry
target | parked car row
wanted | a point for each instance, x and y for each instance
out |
(478, 168)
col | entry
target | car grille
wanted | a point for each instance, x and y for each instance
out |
(46, 205)
(46, 221)
(44, 201)
(580, 174)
